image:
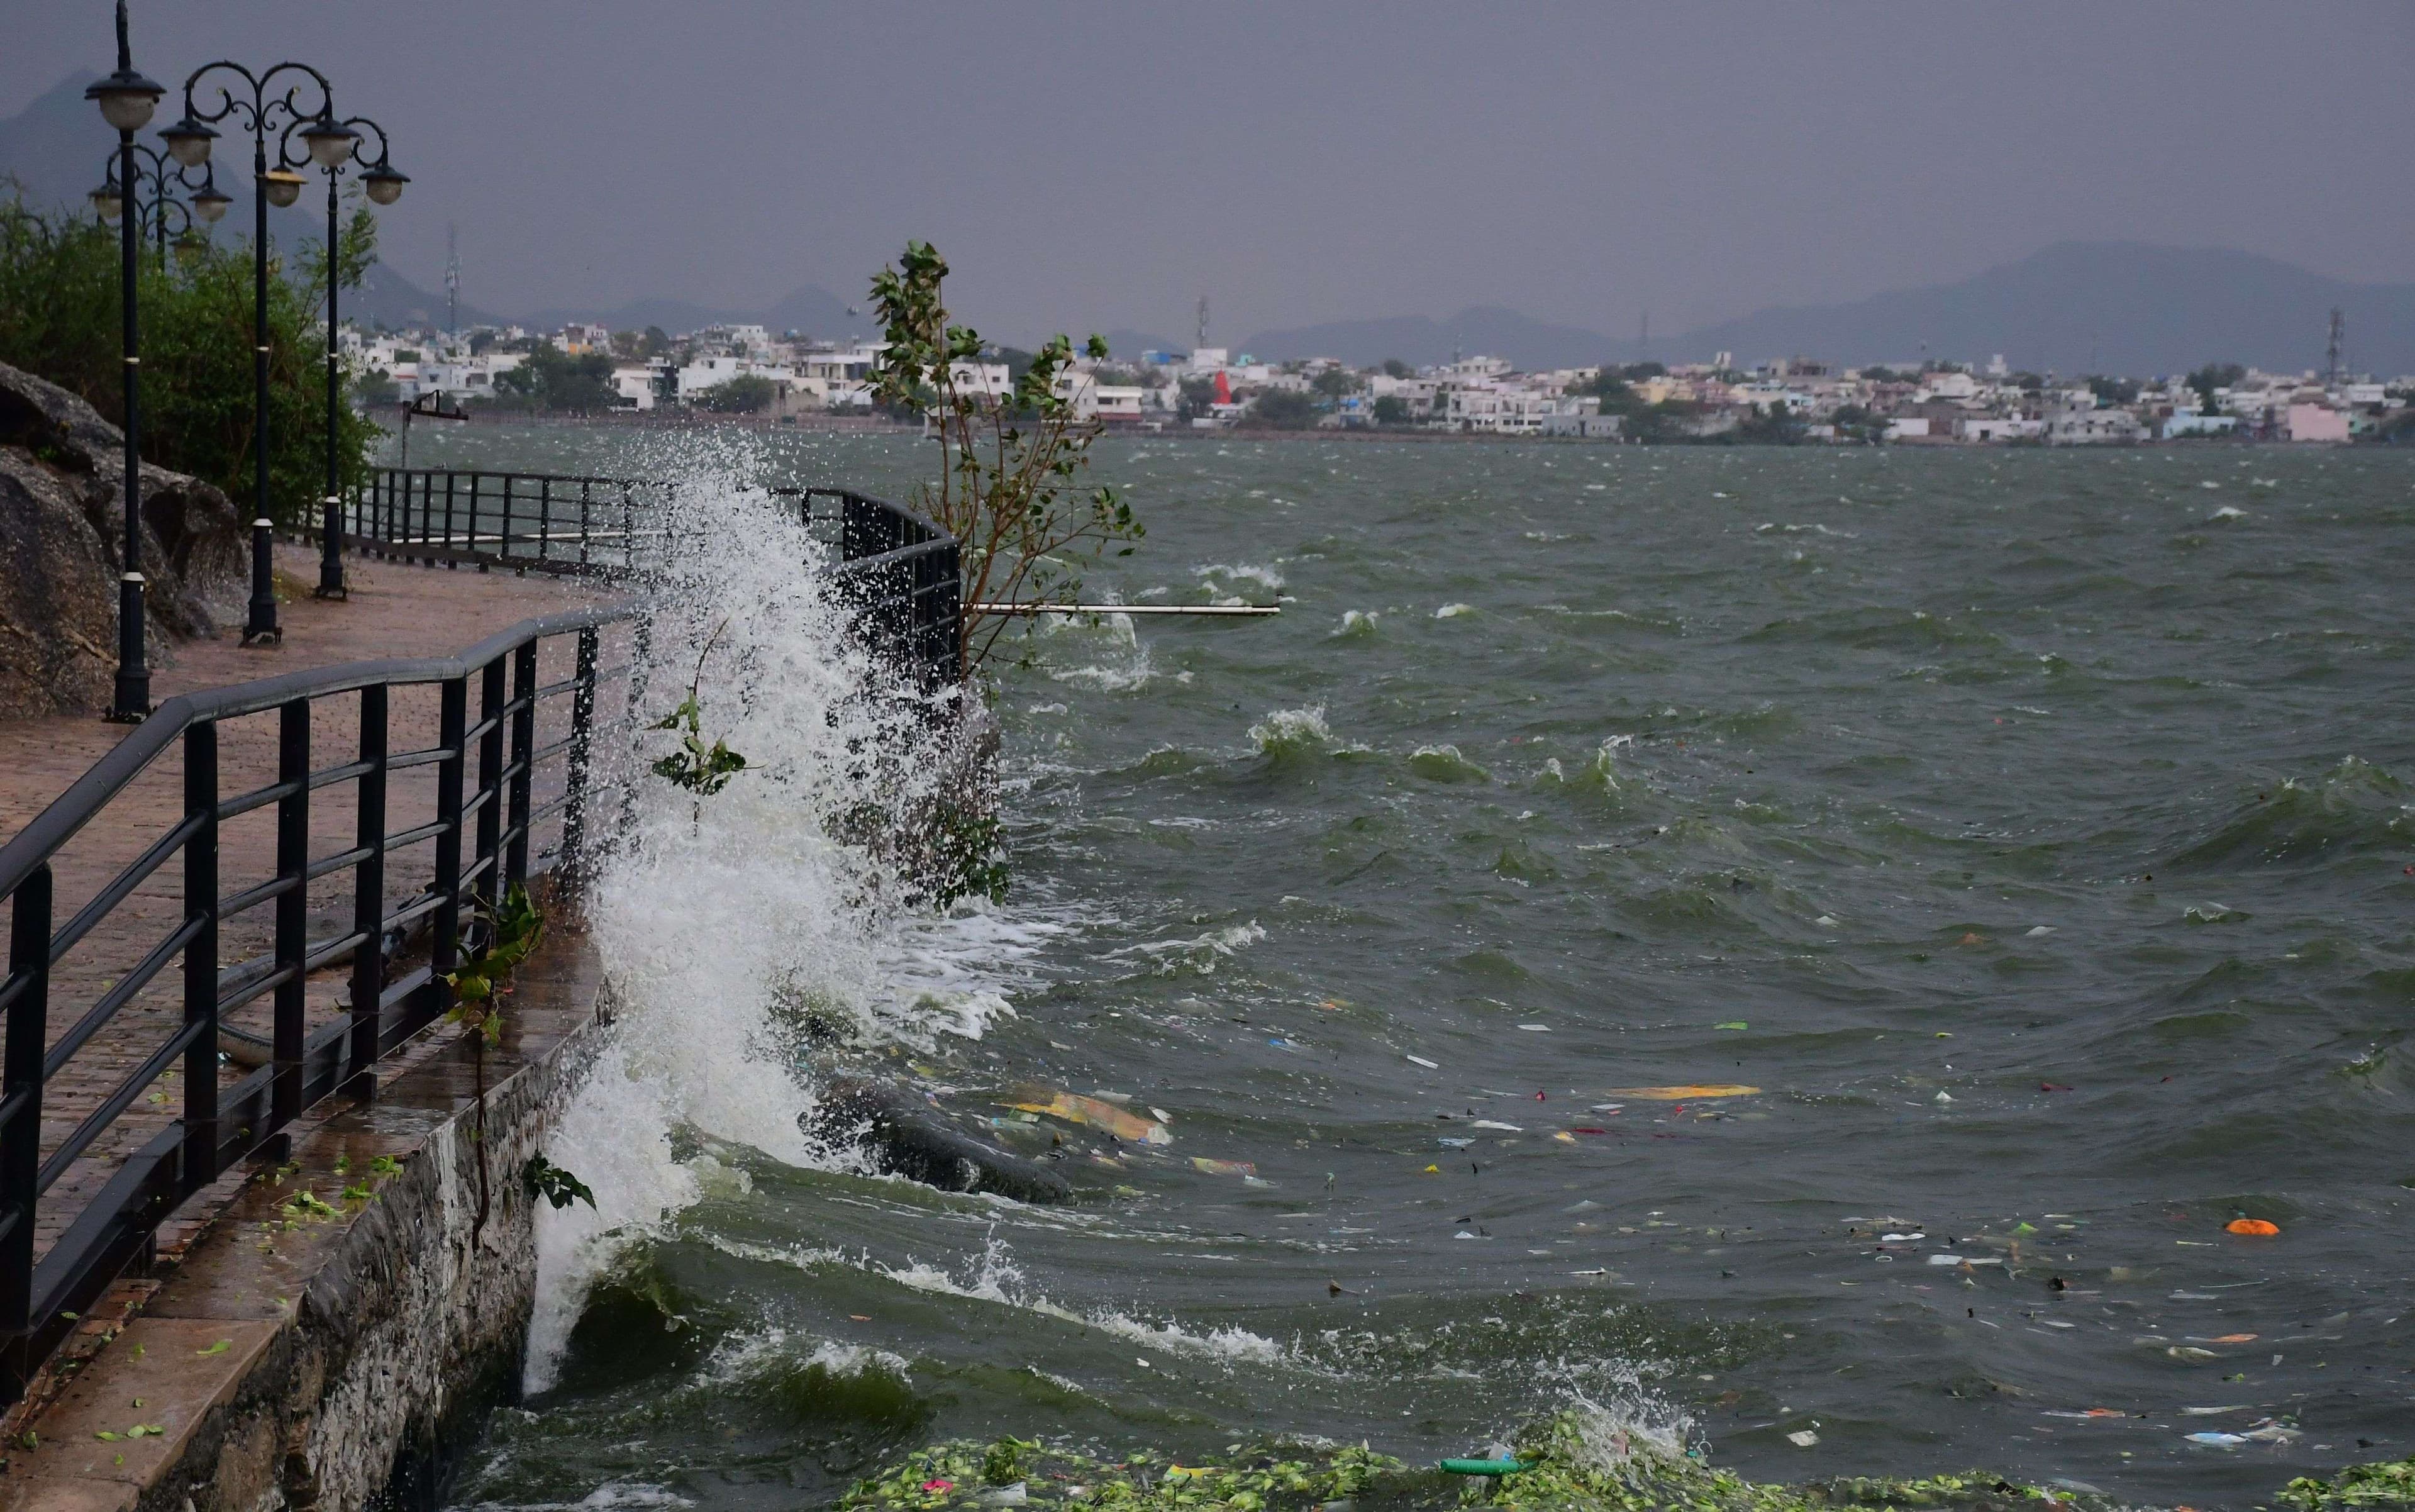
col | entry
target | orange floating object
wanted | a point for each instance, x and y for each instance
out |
(1098, 1113)
(2262, 1228)
(1685, 1094)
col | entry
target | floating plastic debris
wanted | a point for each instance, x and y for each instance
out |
(1098, 1113)
(1690, 1093)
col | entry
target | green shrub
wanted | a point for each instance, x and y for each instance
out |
(59, 281)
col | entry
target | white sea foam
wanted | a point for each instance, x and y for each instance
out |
(706, 913)
(1291, 729)
(1452, 612)
(1266, 578)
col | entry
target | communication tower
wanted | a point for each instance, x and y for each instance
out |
(452, 283)
(2332, 369)
(1202, 323)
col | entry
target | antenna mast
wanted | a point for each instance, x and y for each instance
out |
(2332, 370)
(1202, 323)
(452, 283)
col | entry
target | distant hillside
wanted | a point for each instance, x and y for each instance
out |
(1419, 339)
(2101, 306)
(58, 147)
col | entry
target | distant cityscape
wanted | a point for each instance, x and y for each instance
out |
(748, 370)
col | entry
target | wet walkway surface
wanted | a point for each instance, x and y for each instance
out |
(394, 610)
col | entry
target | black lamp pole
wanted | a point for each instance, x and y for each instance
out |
(266, 104)
(382, 185)
(158, 208)
(126, 99)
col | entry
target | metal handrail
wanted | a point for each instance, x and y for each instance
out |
(898, 572)
(39, 1301)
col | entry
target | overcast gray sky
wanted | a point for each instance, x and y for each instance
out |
(1102, 165)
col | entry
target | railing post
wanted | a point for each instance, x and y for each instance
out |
(452, 720)
(292, 905)
(641, 655)
(951, 614)
(628, 529)
(586, 504)
(21, 1140)
(516, 841)
(369, 884)
(449, 562)
(503, 531)
(476, 489)
(491, 781)
(544, 517)
(200, 1164)
(582, 734)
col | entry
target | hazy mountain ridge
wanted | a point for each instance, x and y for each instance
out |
(2096, 306)
(1419, 339)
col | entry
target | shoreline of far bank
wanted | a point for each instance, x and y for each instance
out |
(873, 426)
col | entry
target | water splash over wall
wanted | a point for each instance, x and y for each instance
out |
(720, 920)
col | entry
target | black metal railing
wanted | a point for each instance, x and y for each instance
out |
(498, 725)
(901, 572)
(462, 816)
(541, 521)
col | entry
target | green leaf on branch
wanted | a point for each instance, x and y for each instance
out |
(701, 769)
(557, 1186)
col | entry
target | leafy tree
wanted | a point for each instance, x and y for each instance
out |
(1616, 396)
(2213, 376)
(656, 342)
(1395, 367)
(1881, 374)
(1636, 372)
(1855, 423)
(2113, 392)
(1771, 425)
(1010, 466)
(1336, 382)
(1284, 408)
(1391, 410)
(59, 285)
(1197, 394)
(746, 394)
(1662, 422)
(551, 379)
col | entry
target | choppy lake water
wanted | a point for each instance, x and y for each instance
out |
(2030, 832)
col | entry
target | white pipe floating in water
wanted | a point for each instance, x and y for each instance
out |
(1123, 608)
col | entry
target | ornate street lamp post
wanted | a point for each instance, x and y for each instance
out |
(157, 178)
(383, 185)
(126, 99)
(268, 104)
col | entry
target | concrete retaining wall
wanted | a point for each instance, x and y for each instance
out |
(293, 1358)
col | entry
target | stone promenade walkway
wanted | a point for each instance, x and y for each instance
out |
(395, 612)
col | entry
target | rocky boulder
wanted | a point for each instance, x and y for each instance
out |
(62, 523)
